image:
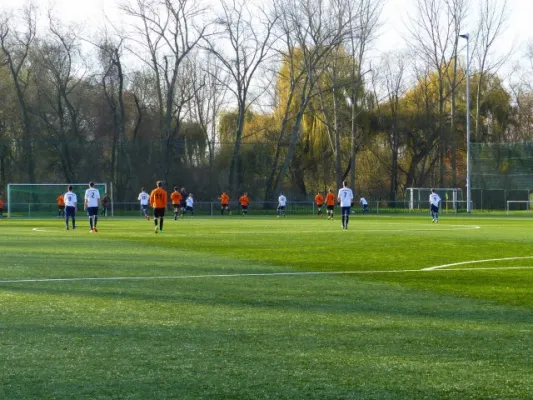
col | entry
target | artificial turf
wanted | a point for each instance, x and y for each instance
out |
(259, 308)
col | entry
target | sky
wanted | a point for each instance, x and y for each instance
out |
(519, 27)
(89, 15)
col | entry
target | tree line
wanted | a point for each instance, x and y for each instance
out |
(255, 96)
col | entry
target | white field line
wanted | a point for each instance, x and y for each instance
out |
(290, 232)
(355, 229)
(475, 262)
(267, 274)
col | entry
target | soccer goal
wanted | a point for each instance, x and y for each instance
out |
(518, 206)
(451, 199)
(38, 200)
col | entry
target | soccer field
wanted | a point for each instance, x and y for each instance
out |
(266, 308)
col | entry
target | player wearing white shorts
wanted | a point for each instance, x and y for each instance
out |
(434, 200)
(91, 204)
(345, 198)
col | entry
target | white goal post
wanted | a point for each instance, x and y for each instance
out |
(452, 198)
(518, 205)
(38, 200)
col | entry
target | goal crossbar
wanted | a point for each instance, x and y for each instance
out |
(15, 187)
(527, 204)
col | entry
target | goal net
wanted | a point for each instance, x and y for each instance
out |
(38, 200)
(451, 199)
(518, 207)
(506, 166)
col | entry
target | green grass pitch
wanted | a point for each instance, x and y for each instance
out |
(267, 308)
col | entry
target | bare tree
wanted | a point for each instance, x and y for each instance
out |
(17, 34)
(56, 79)
(457, 11)
(210, 84)
(248, 31)
(330, 112)
(363, 23)
(113, 81)
(345, 77)
(394, 84)
(309, 35)
(168, 33)
(492, 23)
(422, 132)
(434, 38)
(521, 90)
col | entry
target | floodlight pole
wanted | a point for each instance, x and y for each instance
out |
(468, 183)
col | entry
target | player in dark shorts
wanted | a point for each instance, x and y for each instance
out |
(183, 202)
(158, 200)
(70, 207)
(159, 212)
(60, 206)
(105, 205)
(190, 204)
(330, 203)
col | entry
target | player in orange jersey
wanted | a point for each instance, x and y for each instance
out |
(224, 203)
(319, 201)
(158, 201)
(61, 206)
(330, 203)
(244, 201)
(176, 199)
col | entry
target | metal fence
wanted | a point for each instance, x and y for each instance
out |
(302, 208)
(133, 209)
(496, 199)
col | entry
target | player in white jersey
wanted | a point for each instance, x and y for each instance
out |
(364, 204)
(91, 204)
(434, 200)
(345, 198)
(71, 200)
(144, 198)
(282, 202)
(189, 204)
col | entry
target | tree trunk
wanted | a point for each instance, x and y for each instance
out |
(235, 176)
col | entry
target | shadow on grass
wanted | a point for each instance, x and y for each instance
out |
(353, 298)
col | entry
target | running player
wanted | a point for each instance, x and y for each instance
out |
(364, 205)
(1, 207)
(244, 201)
(143, 198)
(189, 204)
(158, 200)
(345, 199)
(176, 202)
(330, 203)
(91, 204)
(224, 203)
(60, 206)
(319, 201)
(183, 202)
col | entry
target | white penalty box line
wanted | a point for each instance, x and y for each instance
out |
(440, 268)
(489, 260)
